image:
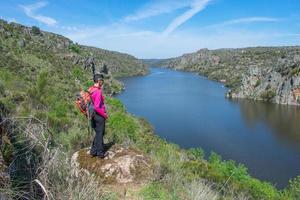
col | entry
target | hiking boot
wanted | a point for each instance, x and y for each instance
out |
(102, 156)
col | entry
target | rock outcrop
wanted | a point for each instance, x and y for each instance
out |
(122, 166)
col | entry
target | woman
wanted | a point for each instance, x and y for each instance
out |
(99, 117)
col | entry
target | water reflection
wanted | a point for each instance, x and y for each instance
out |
(283, 120)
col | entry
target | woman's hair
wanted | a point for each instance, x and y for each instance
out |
(98, 77)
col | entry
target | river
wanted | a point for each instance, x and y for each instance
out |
(192, 111)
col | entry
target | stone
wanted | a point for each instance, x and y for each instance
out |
(21, 43)
(121, 166)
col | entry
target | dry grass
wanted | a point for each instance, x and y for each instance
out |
(52, 178)
(199, 190)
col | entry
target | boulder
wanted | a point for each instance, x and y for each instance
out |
(122, 166)
(21, 43)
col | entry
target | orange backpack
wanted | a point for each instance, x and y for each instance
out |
(83, 101)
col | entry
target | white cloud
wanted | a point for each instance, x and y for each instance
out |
(196, 6)
(123, 37)
(150, 44)
(246, 20)
(156, 8)
(30, 10)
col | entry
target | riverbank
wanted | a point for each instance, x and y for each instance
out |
(258, 73)
(179, 169)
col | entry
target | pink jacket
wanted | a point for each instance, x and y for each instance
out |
(98, 100)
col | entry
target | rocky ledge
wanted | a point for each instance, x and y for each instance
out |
(123, 165)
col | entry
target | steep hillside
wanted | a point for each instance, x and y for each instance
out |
(18, 40)
(261, 73)
(40, 72)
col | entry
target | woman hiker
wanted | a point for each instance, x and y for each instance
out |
(99, 117)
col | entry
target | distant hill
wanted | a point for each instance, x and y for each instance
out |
(156, 62)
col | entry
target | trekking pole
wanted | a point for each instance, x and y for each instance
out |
(89, 124)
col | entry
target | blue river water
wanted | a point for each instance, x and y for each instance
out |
(192, 111)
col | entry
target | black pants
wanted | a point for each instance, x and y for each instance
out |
(98, 124)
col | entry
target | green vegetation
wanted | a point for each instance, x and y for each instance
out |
(75, 48)
(39, 83)
(36, 30)
(258, 82)
(268, 94)
(295, 71)
(155, 191)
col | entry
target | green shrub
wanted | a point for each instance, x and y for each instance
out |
(262, 190)
(74, 139)
(2, 88)
(123, 126)
(77, 72)
(35, 30)
(115, 105)
(295, 71)
(258, 82)
(292, 191)
(194, 169)
(268, 94)
(196, 153)
(155, 191)
(74, 48)
(39, 90)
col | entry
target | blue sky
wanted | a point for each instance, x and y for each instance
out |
(163, 28)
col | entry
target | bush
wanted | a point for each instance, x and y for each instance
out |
(115, 105)
(77, 72)
(75, 48)
(123, 126)
(258, 82)
(75, 139)
(155, 191)
(196, 153)
(35, 30)
(295, 71)
(39, 89)
(268, 95)
(293, 189)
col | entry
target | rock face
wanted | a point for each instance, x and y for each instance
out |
(261, 73)
(270, 85)
(121, 166)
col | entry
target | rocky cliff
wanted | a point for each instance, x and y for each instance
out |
(261, 73)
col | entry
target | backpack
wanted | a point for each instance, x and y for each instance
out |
(85, 103)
